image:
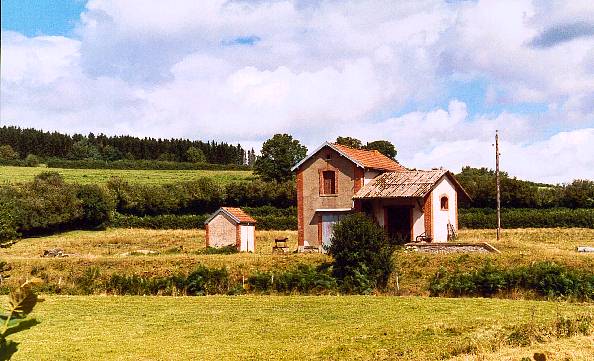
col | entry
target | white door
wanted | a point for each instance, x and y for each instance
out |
(328, 221)
(247, 239)
(244, 239)
(250, 238)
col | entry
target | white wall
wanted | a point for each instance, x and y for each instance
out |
(441, 218)
(418, 221)
(369, 175)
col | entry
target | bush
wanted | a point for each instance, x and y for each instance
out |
(8, 224)
(362, 254)
(477, 218)
(32, 160)
(193, 221)
(303, 279)
(546, 279)
(207, 281)
(166, 221)
(97, 205)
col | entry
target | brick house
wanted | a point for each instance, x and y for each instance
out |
(231, 226)
(335, 180)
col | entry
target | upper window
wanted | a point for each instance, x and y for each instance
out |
(328, 182)
(444, 203)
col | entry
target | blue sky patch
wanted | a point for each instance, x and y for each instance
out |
(242, 40)
(41, 17)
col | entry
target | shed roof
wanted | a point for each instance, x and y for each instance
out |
(236, 214)
(371, 159)
(406, 184)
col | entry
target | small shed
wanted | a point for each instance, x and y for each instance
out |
(231, 226)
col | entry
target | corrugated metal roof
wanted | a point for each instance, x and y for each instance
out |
(410, 183)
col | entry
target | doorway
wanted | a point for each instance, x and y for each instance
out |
(399, 223)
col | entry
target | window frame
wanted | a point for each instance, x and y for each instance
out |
(322, 187)
(447, 202)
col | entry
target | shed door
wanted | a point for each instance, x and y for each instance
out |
(247, 239)
(250, 238)
(328, 221)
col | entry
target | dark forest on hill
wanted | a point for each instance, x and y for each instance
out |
(111, 148)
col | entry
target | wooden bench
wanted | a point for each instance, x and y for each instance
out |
(280, 245)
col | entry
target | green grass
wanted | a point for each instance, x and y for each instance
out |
(288, 328)
(94, 176)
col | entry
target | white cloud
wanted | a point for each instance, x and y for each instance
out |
(317, 70)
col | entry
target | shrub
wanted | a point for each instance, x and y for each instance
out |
(97, 205)
(32, 160)
(546, 279)
(362, 254)
(303, 279)
(527, 218)
(207, 281)
(166, 221)
(8, 224)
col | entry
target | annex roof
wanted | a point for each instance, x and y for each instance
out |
(370, 159)
(236, 214)
(406, 184)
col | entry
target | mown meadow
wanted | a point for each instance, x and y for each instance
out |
(301, 327)
(13, 175)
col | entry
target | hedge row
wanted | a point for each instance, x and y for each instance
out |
(286, 219)
(203, 281)
(198, 196)
(527, 218)
(191, 221)
(546, 279)
(140, 164)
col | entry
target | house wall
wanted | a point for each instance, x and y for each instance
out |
(222, 231)
(369, 175)
(441, 218)
(308, 191)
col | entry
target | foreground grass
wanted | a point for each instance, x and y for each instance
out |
(288, 328)
(93, 176)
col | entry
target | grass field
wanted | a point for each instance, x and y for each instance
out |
(294, 328)
(94, 176)
(179, 251)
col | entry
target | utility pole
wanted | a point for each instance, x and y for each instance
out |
(497, 181)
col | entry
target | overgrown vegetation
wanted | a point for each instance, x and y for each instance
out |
(362, 254)
(545, 279)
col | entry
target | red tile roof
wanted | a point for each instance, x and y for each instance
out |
(370, 158)
(240, 214)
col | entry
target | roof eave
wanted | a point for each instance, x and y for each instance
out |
(224, 211)
(296, 166)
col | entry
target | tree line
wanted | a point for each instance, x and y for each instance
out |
(18, 143)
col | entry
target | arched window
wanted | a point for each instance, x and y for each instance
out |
(444, 203)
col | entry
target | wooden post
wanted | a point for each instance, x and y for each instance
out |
(497, 181)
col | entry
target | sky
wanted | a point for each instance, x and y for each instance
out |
(436, 78)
